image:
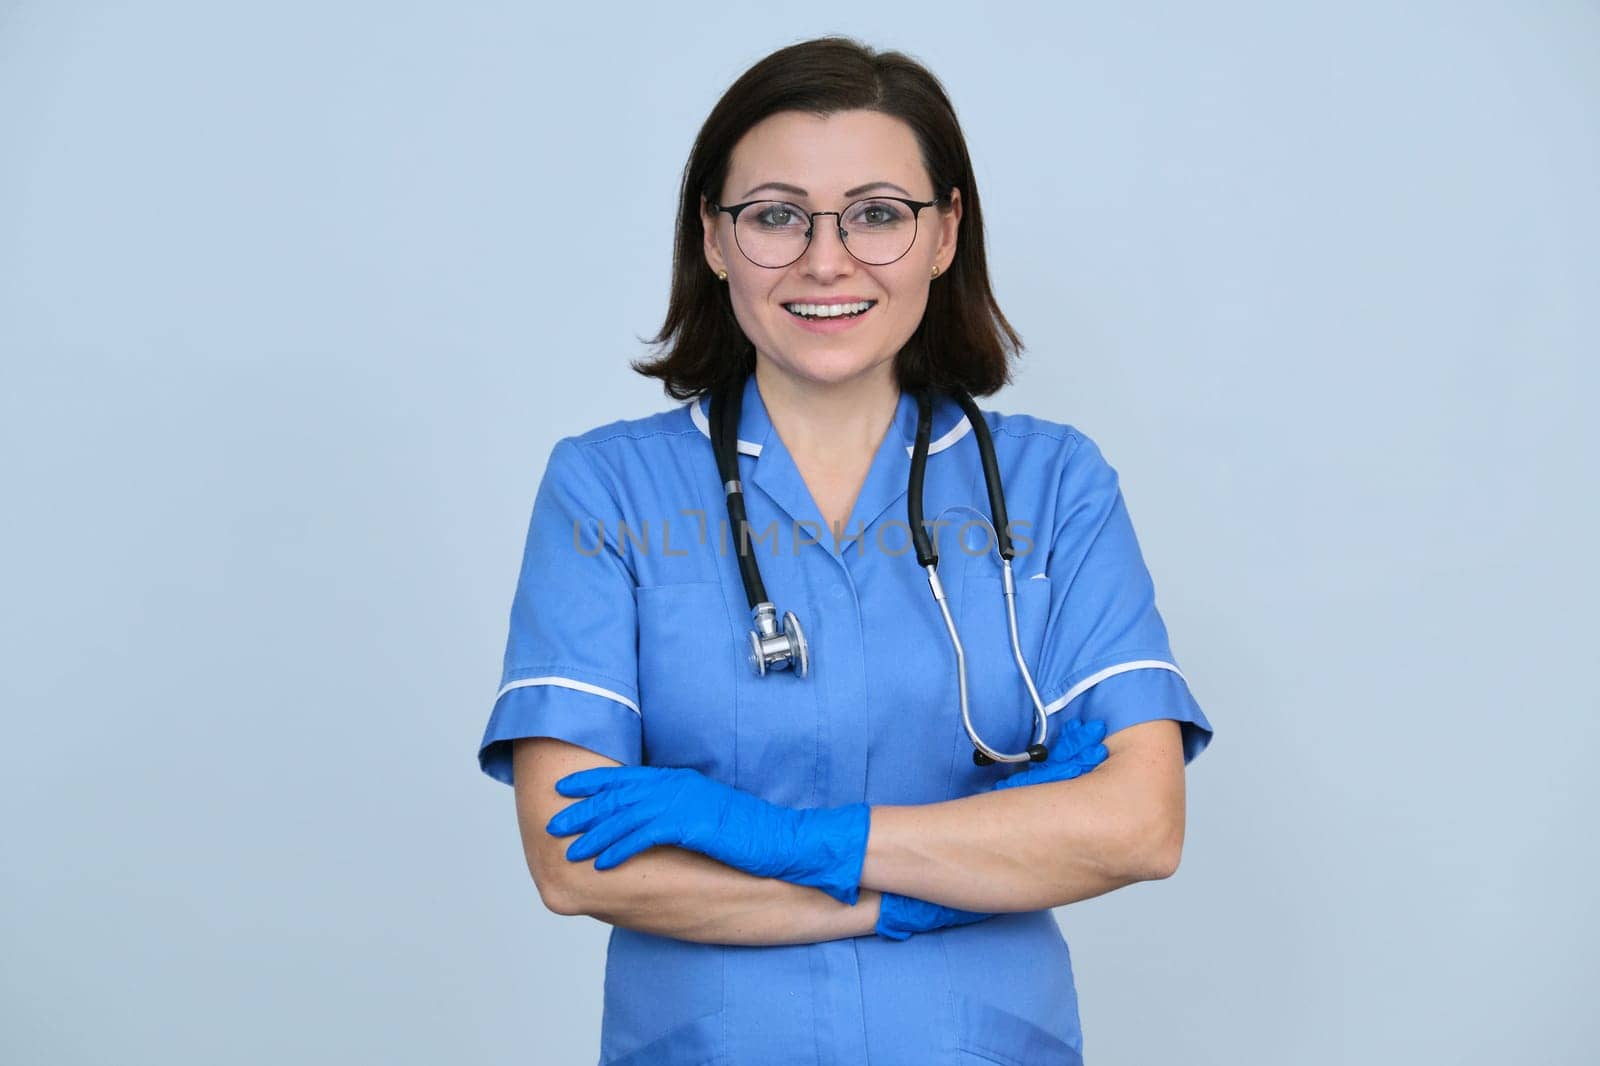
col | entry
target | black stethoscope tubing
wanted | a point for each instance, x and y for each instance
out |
(771, 648)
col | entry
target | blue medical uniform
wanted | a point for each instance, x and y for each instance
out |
(635, 647)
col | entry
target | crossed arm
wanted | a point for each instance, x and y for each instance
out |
(1016, 849)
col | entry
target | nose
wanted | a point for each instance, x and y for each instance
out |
(826, 256)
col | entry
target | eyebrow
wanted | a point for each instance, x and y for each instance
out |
(795, 190)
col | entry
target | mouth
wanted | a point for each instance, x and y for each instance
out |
(824, 319)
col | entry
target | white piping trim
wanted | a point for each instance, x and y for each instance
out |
(704, 424)
(567, 682)
(955, 433)
(1093, 679)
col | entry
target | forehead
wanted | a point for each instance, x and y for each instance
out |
(826, 155)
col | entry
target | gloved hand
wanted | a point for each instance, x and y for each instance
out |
(900, 916)
(1076, 751)
(630, 809)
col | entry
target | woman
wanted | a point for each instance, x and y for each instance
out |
(802, 859)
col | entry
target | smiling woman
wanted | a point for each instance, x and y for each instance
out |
(879, 236)
(875, 248)
(868, 144)
(801, 859)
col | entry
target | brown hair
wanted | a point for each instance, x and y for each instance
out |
(963, 339)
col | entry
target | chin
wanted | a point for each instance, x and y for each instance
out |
(831, 367)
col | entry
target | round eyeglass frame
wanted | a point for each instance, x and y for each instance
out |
(811, 225)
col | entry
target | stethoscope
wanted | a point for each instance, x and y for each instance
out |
(771, 649)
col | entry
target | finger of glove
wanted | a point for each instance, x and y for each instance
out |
(1077, 735)
(1083, 761)
(1077, 760)
(1065, 770)
(607, 833)
(585, 814)
(588, 782)
(643, 838)
(1069, 768)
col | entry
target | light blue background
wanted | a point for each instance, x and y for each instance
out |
(295, 298)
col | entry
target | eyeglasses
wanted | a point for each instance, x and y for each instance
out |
(876, 231)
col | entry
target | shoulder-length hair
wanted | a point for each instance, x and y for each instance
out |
(963, 340)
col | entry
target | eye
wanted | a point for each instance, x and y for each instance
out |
(877, 213)
(778, 215)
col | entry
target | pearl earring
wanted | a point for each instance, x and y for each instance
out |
(722, 275)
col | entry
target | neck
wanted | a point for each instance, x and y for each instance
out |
(836, 424)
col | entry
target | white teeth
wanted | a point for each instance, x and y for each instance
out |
(828, 310)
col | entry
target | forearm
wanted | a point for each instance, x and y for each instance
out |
(1018, 849)
(682, 894)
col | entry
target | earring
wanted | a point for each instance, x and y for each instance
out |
(935, 272)
(722, 275)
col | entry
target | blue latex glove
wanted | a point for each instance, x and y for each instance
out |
(630, 809)
(900, 916)
(1076, 751)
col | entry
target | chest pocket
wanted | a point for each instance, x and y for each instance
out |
(703, 706)
(997, 698)
(687, 659)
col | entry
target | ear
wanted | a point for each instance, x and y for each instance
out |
(949, 224)
(709, 227)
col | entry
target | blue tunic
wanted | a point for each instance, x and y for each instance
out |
(635, 647)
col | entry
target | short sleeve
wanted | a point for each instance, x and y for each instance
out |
(570, 668)
(1106, 653)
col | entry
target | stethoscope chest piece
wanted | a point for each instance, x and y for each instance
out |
(778, 651)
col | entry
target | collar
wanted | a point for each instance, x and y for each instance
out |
(776, 475)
